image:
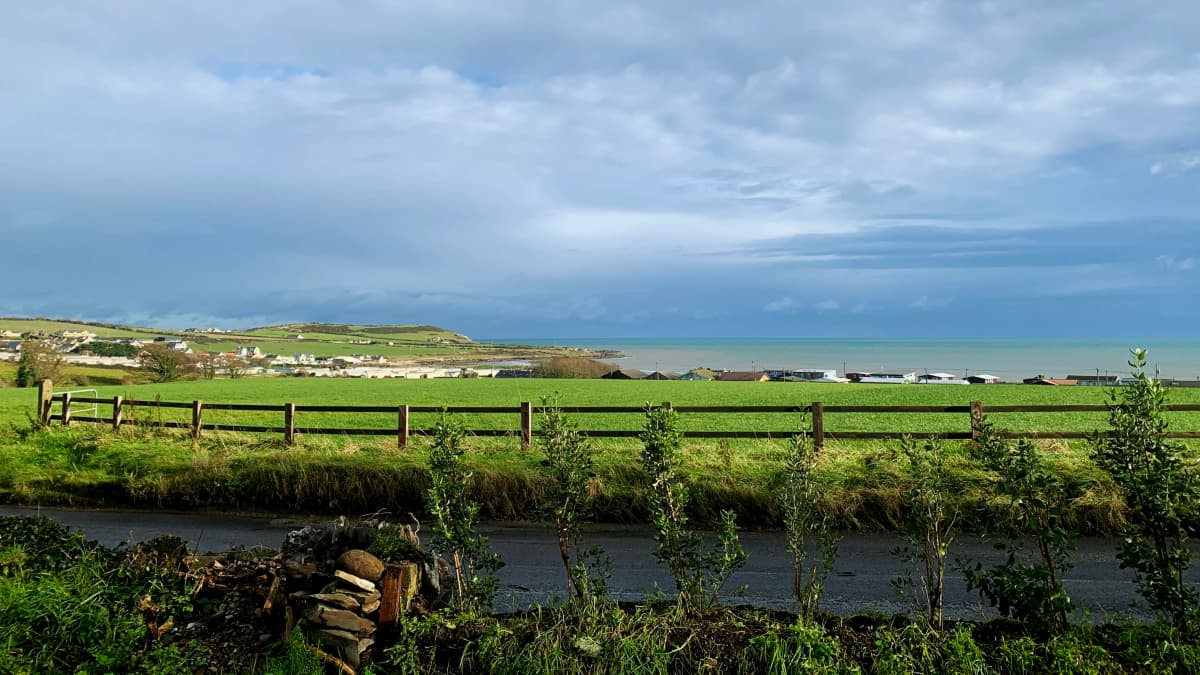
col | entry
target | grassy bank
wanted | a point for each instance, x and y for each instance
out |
(862, 481)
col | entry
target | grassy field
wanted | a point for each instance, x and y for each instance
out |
(863, 479)
(15, 404)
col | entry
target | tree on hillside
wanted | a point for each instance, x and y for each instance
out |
(39, 361)
(163, 364)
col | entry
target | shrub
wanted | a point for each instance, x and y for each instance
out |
(1162, 491)
(570, 459)
(576, 367)
(929, 527)
(808, 527)
(1035, 501)
(456, 515)
(699, 572)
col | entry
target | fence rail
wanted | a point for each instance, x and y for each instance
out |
(816, 411)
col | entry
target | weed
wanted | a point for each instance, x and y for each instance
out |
(930, 526)
(807, 525)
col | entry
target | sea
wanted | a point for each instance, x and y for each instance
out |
(1011, 360)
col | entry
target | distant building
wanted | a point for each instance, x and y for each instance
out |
(1049, 381)
(743, 376)
(984, 378)
(1096, 380)
(248, 352)
(624, 374)
(888, 378)
(940, 378)
(514, 372)
(699, 375)
(662, 375)
(812, 374)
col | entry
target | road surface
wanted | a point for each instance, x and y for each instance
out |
(861, 579)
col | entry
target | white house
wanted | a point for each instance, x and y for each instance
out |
(941, 378)
(248, 352)
(889, 378)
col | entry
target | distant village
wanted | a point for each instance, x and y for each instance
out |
(84, 348)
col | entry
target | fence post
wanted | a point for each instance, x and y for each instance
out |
(402, 426)
(289, 423)
(666, 405)
(976, 419)
(196, 407)
(818, 426)
(526, 424)
(66, 409)
(45, 400)
(116, 416)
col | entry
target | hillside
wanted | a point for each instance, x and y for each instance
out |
(416, 342)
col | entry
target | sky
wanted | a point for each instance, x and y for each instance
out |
(606, 169)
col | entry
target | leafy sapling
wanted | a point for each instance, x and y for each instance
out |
(456, 515)
(811, 541)
(1161, 485)
(699, 571)
(1035, 502)
(571, 462)
(929, 528)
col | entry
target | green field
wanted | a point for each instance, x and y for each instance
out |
(14, 404)
(150, 466)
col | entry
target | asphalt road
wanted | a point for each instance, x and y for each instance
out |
(861, 580)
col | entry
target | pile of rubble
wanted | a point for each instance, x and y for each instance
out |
(344, 598)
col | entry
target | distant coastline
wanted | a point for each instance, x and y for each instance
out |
(1009, 359)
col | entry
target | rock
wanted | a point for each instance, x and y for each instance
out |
(361, 564)
(348, 647)
(265, 637)
(339, 619)
(339, 600)
(354, 580)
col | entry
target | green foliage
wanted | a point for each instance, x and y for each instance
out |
(803, 647)
(164, 364)
(1161, 486)
(39, 361)
(699, 572)
(570, 459)
(808, 527)
(571, 367)
(99, 348)
(1035, 503)
(929, 528)
(456, 515)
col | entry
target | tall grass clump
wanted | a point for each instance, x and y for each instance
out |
(699, 571)
(1161, 485)
(1033, 505)
(455, 517)
(811, 541)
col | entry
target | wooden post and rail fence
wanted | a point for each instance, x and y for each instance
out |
(525, 411)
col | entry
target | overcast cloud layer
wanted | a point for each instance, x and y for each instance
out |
(952, 168)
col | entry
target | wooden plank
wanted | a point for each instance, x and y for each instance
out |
(66, 409)
(744, 409)
(117, 413)
(243, 428)
(526, 424)
(818, 425)
(976, 419)
(896, 435)
(259, 407)
(196, 419)
(344, 431)
(402, 426)
(347, 408)
(595, 409)
(289, 423)
(45, 401)
(1046, 408)
(898, 409)
(159, 404)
